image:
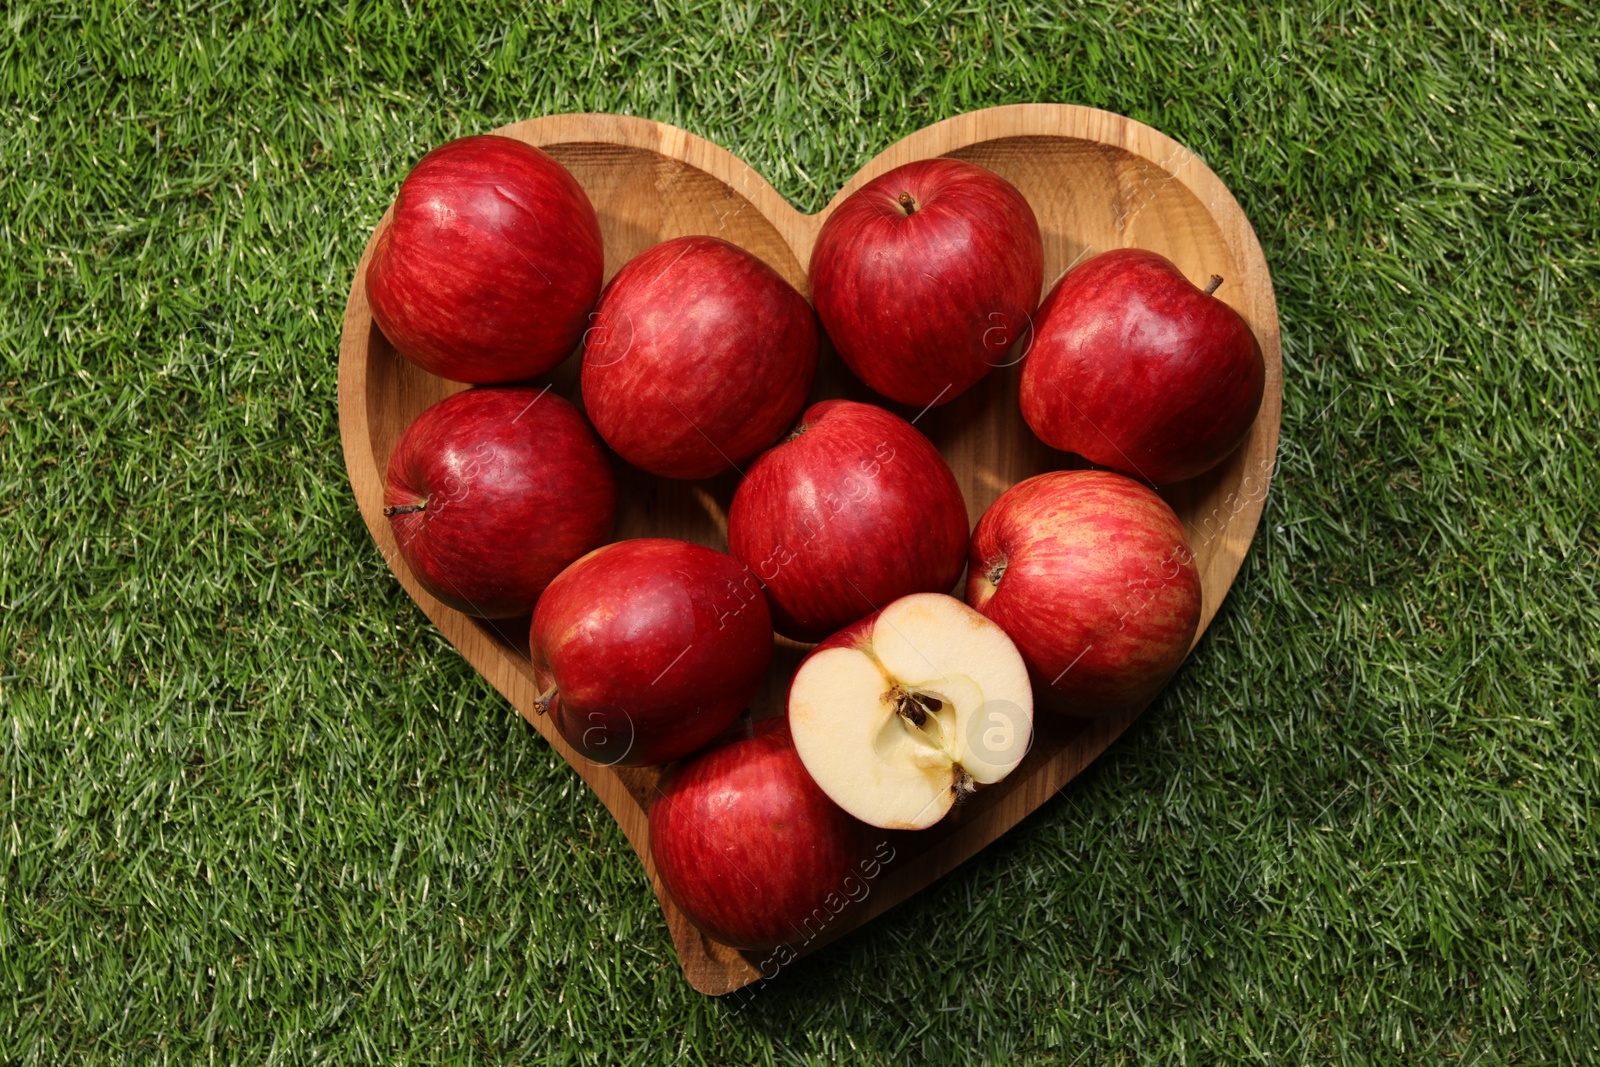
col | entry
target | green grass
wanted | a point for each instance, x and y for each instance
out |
(253, 809)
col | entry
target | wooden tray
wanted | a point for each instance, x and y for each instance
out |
(1097, 181)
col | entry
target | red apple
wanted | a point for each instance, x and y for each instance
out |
(1135, 368)
(491, 492)
(699, 356)
(490, 265)
(925, 277)
(1090, 574)
(647, 649)
(900, 715)
(854, 510)
(749, 848)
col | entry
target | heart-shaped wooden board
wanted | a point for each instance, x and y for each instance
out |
(1097, 181)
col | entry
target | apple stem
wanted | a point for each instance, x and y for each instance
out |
(1216, 280)
(541, 703)
(908, 203)
(403, 509)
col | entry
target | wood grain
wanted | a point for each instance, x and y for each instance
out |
(1096, 181)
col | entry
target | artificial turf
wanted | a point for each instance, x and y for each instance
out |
(253, 809)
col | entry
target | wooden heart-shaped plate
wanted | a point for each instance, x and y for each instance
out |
(1097, 181)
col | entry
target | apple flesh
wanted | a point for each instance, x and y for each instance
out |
(853, 510)
(748, 847)
(1090, 574)
(901, 714)
(491, 492)
(698, 357)
(489, 265)
(645, 650)
(926, 276)
(1135, 368)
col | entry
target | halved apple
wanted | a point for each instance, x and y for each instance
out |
(899, 715)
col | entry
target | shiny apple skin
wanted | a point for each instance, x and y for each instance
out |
(1135, 368)
(857, 510)
(513, 485)
(748, 846)
(1091, 576)
(654, 647)
(698, 357)
(490, 263)
(922, 306)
